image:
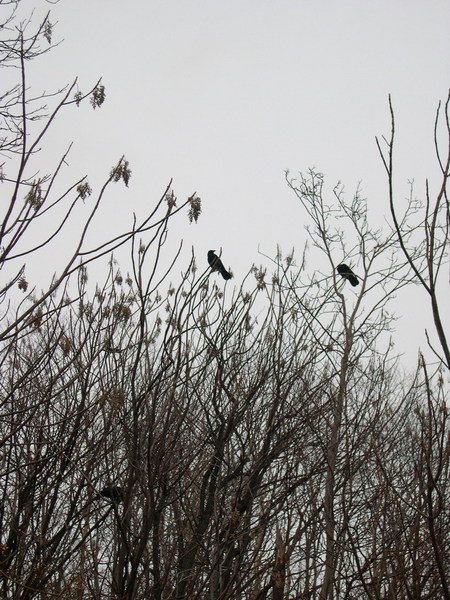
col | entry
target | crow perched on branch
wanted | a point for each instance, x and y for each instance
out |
(217, 265)
(347, 273)
(113, 492)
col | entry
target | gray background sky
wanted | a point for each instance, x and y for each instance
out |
(224, 96)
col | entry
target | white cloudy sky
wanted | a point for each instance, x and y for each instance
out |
(224, 96)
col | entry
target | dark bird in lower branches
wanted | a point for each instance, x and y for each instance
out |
(217, 265)
(347, 273)
(113, 492)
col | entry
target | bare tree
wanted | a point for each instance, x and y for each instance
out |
(165, 437)
(425, 243)
(350, 334)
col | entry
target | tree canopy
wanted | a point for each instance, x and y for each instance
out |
(212, 439)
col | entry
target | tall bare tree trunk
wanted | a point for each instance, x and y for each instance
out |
(326, 591)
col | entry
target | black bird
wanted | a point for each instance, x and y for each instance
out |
(113, 492)
(217, 265)
(347, 273)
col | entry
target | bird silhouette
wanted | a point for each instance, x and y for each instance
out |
(217, 265)
(113, 492)
(347, 273)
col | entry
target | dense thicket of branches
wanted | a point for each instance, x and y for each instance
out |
(266, 443)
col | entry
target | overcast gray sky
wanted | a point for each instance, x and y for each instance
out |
(223, 96)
